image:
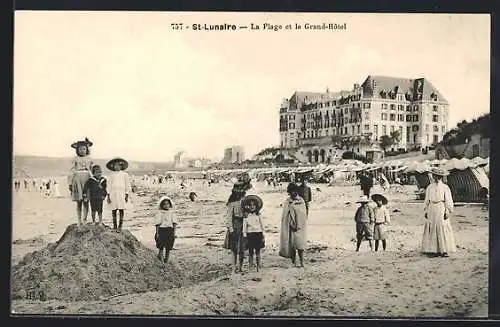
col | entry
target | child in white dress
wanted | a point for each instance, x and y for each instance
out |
(119, 188)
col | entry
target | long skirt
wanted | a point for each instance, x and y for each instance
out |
(77, 182)
(438, 235)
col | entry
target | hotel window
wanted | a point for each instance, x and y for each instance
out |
(415, 107)
(408, 118)
(327, 104)
(401, 107)
(384, 130)
(393, 107)
(435, 139)
(384, 106)
(408, 130)
(375, 129)
(392, 117)
(426, 127)
(435, 118)
(353, 130)
(366, 105)
(383, 116)
(415, 128)
(346, 111)
(436, 129)
(427, 137)
(367, 128)
(401, 97)
(415, 138)
(434, 108)
(415, 118)
(400, 131)
(443, 129)
(346, 130)
(367, 115)
(408, 108)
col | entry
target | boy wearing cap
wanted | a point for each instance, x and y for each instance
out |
(364, 221)
(253, 229)
(95, 192)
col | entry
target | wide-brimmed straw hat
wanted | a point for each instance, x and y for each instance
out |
(377, 197)
(163, 199)
(85, 142)
(439, 171)
(363, 199)
(111, 163)
(249, 198)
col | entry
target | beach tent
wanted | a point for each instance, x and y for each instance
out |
(466, 180)
(420, 170)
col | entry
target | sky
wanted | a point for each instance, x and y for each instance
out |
(139, 89)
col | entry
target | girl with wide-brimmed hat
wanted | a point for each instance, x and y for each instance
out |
(234, 222)
(119, 189)
(253, 228)
(166, 223)
(293, 237)
(381, 219)
(80, 173)
(438, 238)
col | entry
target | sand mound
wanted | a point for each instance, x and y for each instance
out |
(93, 262)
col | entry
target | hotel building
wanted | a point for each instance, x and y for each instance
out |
(309, 122)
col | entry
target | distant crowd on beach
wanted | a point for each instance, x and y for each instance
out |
(47, 187)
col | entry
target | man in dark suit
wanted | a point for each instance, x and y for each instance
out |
(305, 193)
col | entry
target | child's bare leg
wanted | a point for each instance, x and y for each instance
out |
(79, 212)
(93, 216)
(85, 211)
(257, 258)
(235, 258)
(241, 257)
(376, 245)
(358, 243)
(167, 254)
(160, 253)
(293, 256)
(250, 258)
(301, 257)
(113, 213)
(99, 214)
(122, 213)
(384, 244)
(371, 244)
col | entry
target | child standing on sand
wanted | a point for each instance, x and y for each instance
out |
(253, 229)
(382, 219)
(166, 222)
(119, 188)
(95, 192)
(364, 222)
(80, 173)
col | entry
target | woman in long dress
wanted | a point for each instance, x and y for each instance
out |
(438, 238)
(293, 237)
(57, 193)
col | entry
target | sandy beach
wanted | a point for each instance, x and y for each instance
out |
(336, 280)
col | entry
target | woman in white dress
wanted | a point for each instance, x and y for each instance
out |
(438, 238)
(119, 188)
(57, 194)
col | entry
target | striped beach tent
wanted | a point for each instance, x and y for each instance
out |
(466, 180)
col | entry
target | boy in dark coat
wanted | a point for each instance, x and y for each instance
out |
(95, 192)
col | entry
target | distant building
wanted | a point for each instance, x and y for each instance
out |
(234, 154)
(414, 107)
(179, 160)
